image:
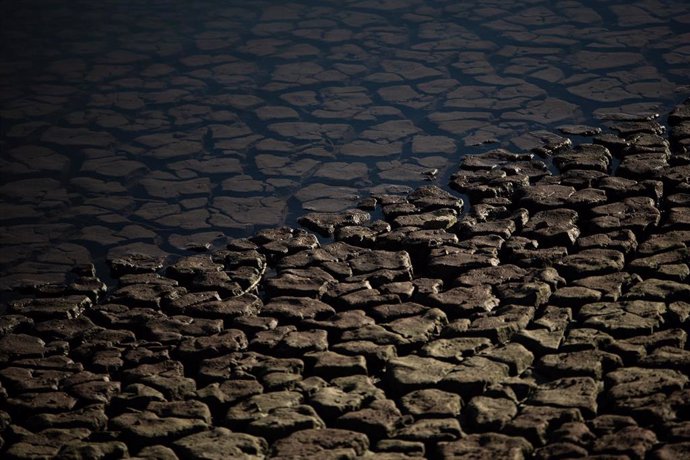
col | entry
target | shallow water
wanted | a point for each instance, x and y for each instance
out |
(167, 125)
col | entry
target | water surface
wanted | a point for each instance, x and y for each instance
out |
(159, 126)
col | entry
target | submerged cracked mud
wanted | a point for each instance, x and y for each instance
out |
(158, 128)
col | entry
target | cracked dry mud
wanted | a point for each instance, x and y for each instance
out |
(548, 321)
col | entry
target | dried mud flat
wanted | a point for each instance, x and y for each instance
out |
(548, 321)
(536, 308)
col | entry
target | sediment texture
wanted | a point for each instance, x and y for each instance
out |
(548, 321)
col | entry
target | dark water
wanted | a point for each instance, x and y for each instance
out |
(153, 126)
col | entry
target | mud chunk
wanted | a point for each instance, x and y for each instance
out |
(591, 363)
(586, 339)
(472, 226)
(220, 443)
(432, 430)
(259, 405)
(443, 218)
(246, 365)
(579, 130)
(570, 392)
(146, 295)
(14, 323)
(486, 445)
(48, 402)
(159, 452)
(44, 444)
(372, 261)
(584, 156)
(556, 227)
(147, 427)
(668, 337)
(411, 372)
(282, 421)
(517, 357)
(327, 223)
(82, 449)
(540, 341)
(227, 392)
(651, 265)
(187, 268)
(490, 414)
(623, 241)
(671, 451)
(541, 197)
(448, 264)
(560, 450)
(339, 322)
(332, 402)
(376, 355)
(288, 342)
(309, 282)
(659, 290)
(20, 346)
(632, 441)
(667, 358)
(461, 302)
(529, 293)
(431, 197)
(91, 417)
(618, 188)
(473, 375)
(537, 422)
(135, 263)
(636, 213)
(525, 252)
(501, 324)
(165, 376)
(455, 348)
(488, 184)
(643, 165)
(381, 419)
(313, 443)
(574, 296)
(330, 364)
(419, 329)
(194, 349)
(624, 319)
(591, 262)
(246, 305)
(678, 219)
(397, 447)
(297, 309)
(52, 308)
(611, 286)
(634, 382)
(431, 403)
